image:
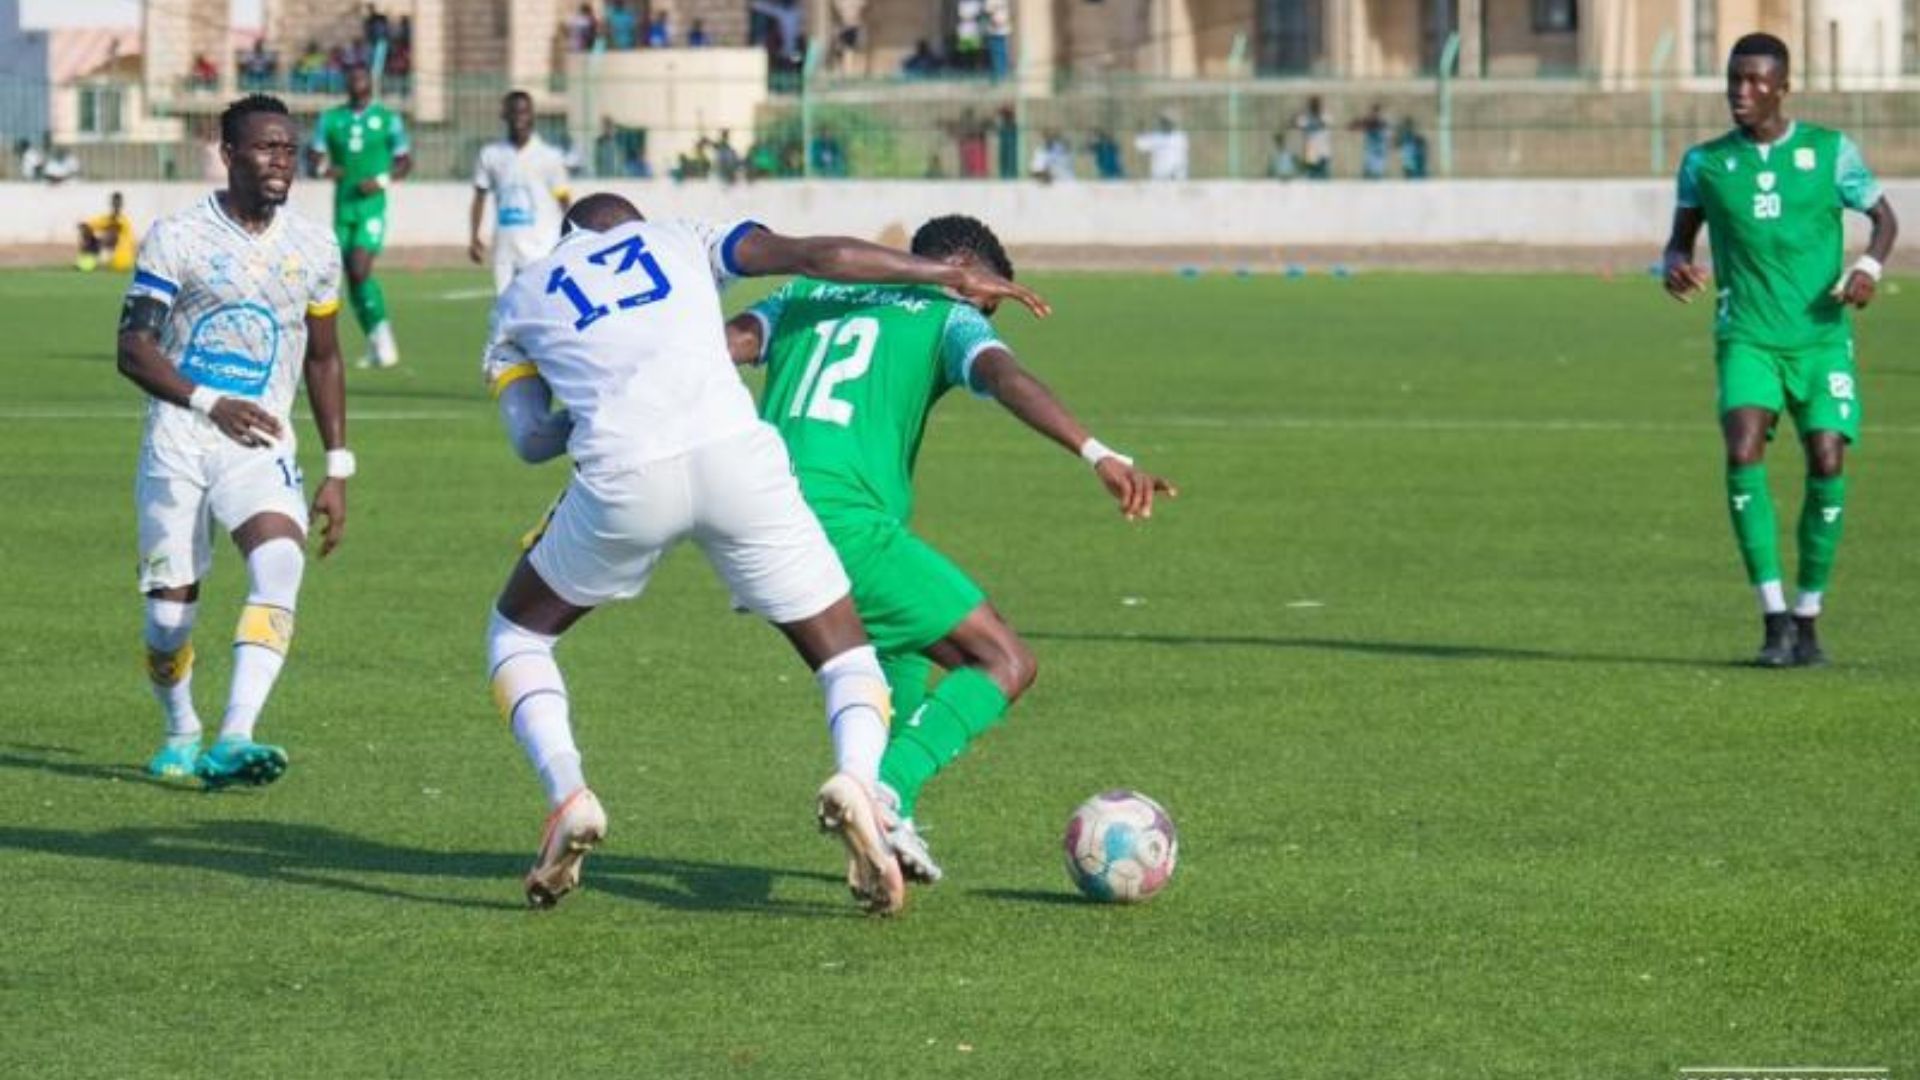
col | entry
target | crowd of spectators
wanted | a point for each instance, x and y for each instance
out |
(626, 24)
(45, 161)
(1304, 149)
(315, 69)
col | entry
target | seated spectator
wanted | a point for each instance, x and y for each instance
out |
(829, 157)
(623, 26)
(61, 166)
(1413, 150)
(1106, 156)
(582, 28)
(658, 36)
(697, 37)
(922, 63)
(375, 27)
(1281, 164)
(109, 234)
(694, 166)
(204, 74)
(726, 159)
(258, 66)
(1166, 150)
(30, 160)
(309, 74)
(1373, 129)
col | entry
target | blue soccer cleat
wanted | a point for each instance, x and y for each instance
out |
(175, 759)
(240, 760)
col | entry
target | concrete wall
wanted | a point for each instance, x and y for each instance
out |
(1250, 214)
(679, 95)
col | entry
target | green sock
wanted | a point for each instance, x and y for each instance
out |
(963, 707)
(369, 302)
(907, 676)
(1753, 523)
(1821, 522)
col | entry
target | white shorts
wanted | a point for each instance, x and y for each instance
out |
(179, 494)
(736, 498)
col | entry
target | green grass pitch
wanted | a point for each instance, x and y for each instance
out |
(1435, 663)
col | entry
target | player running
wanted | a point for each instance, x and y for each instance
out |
(1771, 192)
(852, 374)
(363, 148)
(622, 324)
(527, 177)
(233, 300)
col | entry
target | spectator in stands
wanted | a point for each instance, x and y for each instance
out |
(936, 169)
(1106, 156)
(109, 234)
(257, 67)
(61, 166)
(829, 157)
(1413, 150)
(1373, 129)
(582, 29)
(969, 34)
(1166, 150)
(309, 74)
(922, 62)
(403, 33)
(999, 27)
(1316, 141)
(694, 166)
(375, 28)
(970, 144)
(1281, 164)
(623, 26)
(763, 160)
(782, 19)
(204, 74)
(29, 159)
(1007, 128)
(726, 159)
(697, 37)
(1052, 159)
(658, 34)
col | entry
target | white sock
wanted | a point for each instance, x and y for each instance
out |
(1808, 606)
(533, 698)
(1773, 598)
(169, 635)
(857, 705)
(383, 344)
(274, 570)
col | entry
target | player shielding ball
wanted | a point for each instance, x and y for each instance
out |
(852, 376)
(363, 148)
(233, 300)
(1771, 193)
(527, 178)
(622, 325)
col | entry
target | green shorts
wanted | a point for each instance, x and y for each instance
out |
(1815, 385)
(366, 231)
(908, 594)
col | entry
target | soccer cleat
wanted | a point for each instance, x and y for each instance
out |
(847, 808)
(382, 350)
(911, 849)
(575, 827)
(1777, 650)
(1806, 644)
(175, 759)
(239, 760)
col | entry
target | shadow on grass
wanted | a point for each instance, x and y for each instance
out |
(1061, 898)
(1411, 649)
(317, 856)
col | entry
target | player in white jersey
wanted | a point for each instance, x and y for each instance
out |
(622, 326)
(527, 177)
(233, 299)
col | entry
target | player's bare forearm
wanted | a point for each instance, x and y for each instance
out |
(1681, 277)
(326, 377)
(838, 258)
(1886, 229)
(1027, 398)
(475, 249)
(402, 166)
(143, 364)
(744, 339)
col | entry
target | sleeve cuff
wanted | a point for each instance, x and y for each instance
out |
(512, 375)
(732, 241)
(966, 365)
(323, 309)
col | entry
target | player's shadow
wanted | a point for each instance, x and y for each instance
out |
(315, 856)
(63, 761)
(1409, 649)
(1059, 898)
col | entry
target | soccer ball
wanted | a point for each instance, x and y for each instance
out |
(1121, 847)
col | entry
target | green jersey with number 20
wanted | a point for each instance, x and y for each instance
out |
(1773, 216)
(852, 373)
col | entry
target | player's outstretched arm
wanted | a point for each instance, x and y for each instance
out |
(1682, 277)
(997, 372)
(1861, 281)
(537, 431)
(842, 258)
(141, 362)
(326, 378)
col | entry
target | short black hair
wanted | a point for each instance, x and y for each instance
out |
(599, 212)
(235, 116)
(957, 233)
(1761, 45)
(517, 95)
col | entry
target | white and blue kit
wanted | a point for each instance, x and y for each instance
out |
(236, 324)
(527, 184)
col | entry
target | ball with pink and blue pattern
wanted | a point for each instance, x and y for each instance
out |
(1121, 847)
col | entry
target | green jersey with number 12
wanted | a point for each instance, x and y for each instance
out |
(852, 373)
(1773, 216)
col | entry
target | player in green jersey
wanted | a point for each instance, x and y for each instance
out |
(1771, 193)
(852, 374)
(363, 148)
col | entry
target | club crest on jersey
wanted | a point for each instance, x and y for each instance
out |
(1766, 181)
(1732, 164)
(1803, 158)
(373, 122)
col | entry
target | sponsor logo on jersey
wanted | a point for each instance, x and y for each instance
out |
(1803, 158)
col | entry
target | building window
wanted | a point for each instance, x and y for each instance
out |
(1555, 16)
(1910, 38)
(1706, 37)
(100, 111)
(1290, 34)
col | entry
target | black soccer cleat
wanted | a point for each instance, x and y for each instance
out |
(1777, 650)
(1806, 645)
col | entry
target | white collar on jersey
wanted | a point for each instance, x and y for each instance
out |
(220, 214)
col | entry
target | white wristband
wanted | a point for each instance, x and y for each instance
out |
(340, 464)
(1093, 452)
(203, 399)
(1870, 266)
(385, 180)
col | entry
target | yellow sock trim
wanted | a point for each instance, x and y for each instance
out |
(168, 668)
(266, 626)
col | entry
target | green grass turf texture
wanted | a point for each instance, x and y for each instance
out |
(1435, 662)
